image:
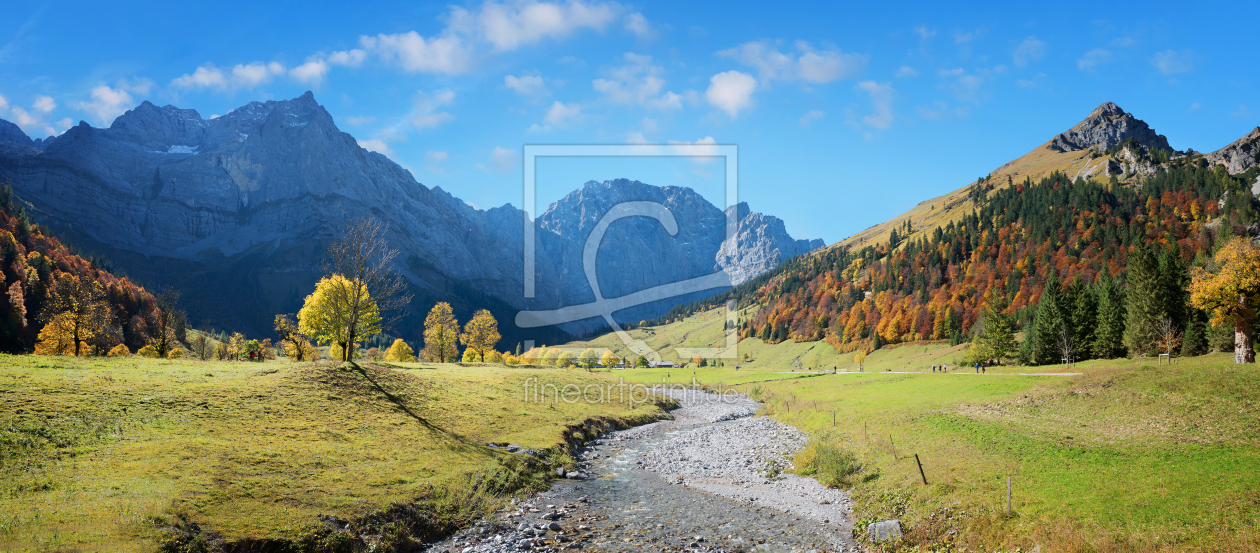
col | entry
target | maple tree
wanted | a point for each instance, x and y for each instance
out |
(1230, 291)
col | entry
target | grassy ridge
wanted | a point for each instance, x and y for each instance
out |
(111, 455)
(1127, 456)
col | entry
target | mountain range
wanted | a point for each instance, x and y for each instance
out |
(235, 211)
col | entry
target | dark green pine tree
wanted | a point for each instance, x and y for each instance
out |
(1109, 331)
(1146, 304)
(1175, 277)
(1084, 317)
(1195, 341)
(1049, 323)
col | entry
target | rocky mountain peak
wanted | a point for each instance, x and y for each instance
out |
(13, 134)
(1106, 127)
(1240, 155)
(159, 128)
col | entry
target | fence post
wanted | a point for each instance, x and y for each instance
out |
(1008, 495)
(920, 463)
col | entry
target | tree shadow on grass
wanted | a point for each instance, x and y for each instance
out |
(461, 442)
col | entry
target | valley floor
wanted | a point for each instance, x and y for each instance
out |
(1119, 455)
(108, 454)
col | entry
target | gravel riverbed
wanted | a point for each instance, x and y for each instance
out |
(712, 479)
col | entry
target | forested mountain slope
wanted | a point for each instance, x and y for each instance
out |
(34, 263)
(1111, 256)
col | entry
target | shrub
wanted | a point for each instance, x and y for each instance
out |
(565, 359)
(829, 463)
(119, 350)
(175, 354)
(148, 351)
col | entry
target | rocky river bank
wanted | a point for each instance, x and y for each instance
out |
(712, 479)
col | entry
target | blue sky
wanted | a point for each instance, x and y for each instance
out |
(844, 114)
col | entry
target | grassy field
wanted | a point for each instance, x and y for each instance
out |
(1125, 456)
(127, 454)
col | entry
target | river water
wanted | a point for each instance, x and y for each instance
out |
(619, 505)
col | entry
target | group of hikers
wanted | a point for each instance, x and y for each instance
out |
(980, 369)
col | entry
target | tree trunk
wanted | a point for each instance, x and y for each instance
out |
(1243, 352)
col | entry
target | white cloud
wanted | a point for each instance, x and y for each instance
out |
(907, 71)
(107, 103)
(376, 145)
(809, 65)
(4, 104)
(939, 110)
(1025, 83)
(529, 86)
(731, 91)
(435, 156)
(964, 38)
(1171, 62)
(965, 85)
(352, 58)
(65, 123)
(1194, 107)
(1028, 51)
(562, 114)
(502, 159)
(24, 119)
(508, 27)
(639, 25)
(360, 121)
(1242, 112)
(636, 138)
(312, 72)
(1093, 58)
(811, 116)
(444, 54)
(924, 32)
(638, 83)
(44, 104)
(1123, 42)
(649, 125)
(427, 113)
(241, 76)
(699, 156)
(882, 98)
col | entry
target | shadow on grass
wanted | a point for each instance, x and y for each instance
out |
(460, 440)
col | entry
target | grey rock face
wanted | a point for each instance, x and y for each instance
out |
(1240, 155)
(1107, 126)
(13, 134)
(264, 187)
(1127, 163)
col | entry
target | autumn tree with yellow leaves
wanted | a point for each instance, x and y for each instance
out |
(340, 312)
(399, 351)
(76, 311)
(481, 334)
(1230, 291)
(441, 332)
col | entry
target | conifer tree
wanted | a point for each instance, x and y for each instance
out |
(1109, 334)
(1145, 301)
(1084, 317)
(1051, 319)
(1196, 339)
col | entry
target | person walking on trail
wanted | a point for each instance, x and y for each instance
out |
(977, 368)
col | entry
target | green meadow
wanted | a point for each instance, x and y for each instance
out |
(1118, 455)
(134, 454)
